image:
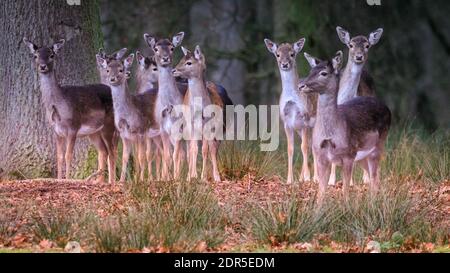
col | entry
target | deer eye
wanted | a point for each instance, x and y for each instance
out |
(352, 46)
(155, 49)
(171, 49)
(35, 56)
(121, 71)
(292, 55)
(189, 63)
(323, 73)
(52, 56)
(278, 55)
(367, 46)
(155, 69)
(107, 71)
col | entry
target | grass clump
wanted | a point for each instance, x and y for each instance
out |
(178, 216)
(55, 226)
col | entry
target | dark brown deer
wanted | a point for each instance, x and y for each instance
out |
(345, 133)
(75, 111)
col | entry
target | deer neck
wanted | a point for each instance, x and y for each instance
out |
(197, 87)
(121, 97)
(348, 86)
(50, 89)
(143, 84)
(167, 88)
(289, 81)
(327, 114)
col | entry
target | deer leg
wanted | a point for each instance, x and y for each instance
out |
(70, 144)
(149, 155)
(332, 178)
(306, 174)
(176, 159)
(213, 148)
(166, 157)
(102, 151)
(290, 151)
(60, 142)
(323, 168)
(193, 154)
(365, 166)
(347, 170)
(141, 158)
(126, 150)
(158, 157)
(316, 172)
(374, 171)
(205, 160)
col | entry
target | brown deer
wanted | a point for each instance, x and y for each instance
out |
(192, 67)
(355, 80)
(147, 81)
(75, 111)
(297, 110)
(133, 113)
(346, 133)
(168, 95)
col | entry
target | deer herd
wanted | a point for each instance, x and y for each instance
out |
(333, 110)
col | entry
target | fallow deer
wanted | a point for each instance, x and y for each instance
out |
(168, 95)
(346, 133)
(147, 81)
(192, 67)
(355, 80)
(297, 110)
(75, 111)
(133, 113)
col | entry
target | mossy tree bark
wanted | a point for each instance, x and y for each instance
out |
(27, 147)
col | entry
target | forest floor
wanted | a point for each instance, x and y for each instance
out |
(35, 217)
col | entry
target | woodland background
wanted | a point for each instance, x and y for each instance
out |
(410, 65)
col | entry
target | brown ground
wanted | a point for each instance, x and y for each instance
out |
(35, 195)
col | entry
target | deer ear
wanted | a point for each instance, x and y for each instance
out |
(198, 53)
(30, 45)
(128, 62)
(337, 61)
(185, 50)
(118, 55)
(271, 46)
(150, 40)
(313, 62)
(298, 46)
(56, 47)
(375, 36)
(178, 39)
(102, 52)
(344, 35)
(140, 58)
(101, 62)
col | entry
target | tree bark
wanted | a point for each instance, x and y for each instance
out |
(27, 147)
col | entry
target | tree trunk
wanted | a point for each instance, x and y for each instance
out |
(27, 147)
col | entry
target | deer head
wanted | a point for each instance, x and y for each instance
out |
(285, 53)
(44, 57)
(116, 56)
(323, 77)
(191, 65)
(116, 70)
(164, 48)
(359, 46)
(147, 68)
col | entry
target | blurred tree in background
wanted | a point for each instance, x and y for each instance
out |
(410, 65)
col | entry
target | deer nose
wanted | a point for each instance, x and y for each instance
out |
(359, 57)
(113, 79)
(166, 59)
(174, 71)
(301, 86)
(43, 66)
